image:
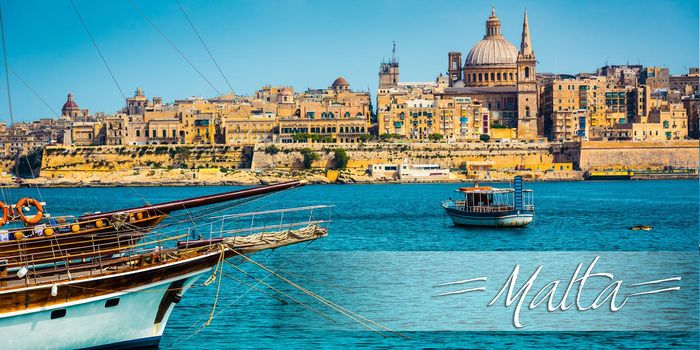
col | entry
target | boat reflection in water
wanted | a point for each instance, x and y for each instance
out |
(489, 206)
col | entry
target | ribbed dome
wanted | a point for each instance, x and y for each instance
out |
(492, 50)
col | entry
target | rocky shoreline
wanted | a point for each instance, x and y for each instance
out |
(216, 177)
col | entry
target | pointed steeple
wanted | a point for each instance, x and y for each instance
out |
(525, 47)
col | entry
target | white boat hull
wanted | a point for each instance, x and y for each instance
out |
(89, 323)
(513, 220)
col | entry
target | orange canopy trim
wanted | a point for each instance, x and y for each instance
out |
(469, 189)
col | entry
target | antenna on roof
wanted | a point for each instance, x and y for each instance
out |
(393, 52)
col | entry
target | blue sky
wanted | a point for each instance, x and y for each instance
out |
(308, 43)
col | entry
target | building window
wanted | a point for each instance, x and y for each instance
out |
(511, 76)
(527, 72)
(492, 77)
(498, 76)
(480, 77)
(474, 77)
(138, 133)
(347, 114)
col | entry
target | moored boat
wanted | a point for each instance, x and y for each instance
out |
(42, 238)
(489, 206)
(124, 300)
(608, 175)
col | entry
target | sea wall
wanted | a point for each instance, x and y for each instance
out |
(469, 155)
(629, 155)
(63, 161)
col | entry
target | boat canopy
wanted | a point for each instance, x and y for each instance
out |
(485, 189)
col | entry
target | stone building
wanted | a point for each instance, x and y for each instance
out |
(686, 83)
(501, 76)
(336, 114)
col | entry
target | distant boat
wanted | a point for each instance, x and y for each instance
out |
(488, 206)
(641, 228)
(609, 175)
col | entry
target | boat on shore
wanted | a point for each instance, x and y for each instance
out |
(489, 206)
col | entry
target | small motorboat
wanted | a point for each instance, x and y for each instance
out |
(641, 228)
(489, 206)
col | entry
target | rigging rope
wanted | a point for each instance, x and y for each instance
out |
(36, 94)
(94, 43)
(138, 9)
(7, 76)
(203, 44)
(352, 315)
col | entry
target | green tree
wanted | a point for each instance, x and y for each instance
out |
(365, 137)
(435, 137)
(272, 150)
(341, 158)
(309, 157)
(485, 137)
(387, 136)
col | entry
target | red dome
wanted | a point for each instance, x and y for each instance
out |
(70, 104)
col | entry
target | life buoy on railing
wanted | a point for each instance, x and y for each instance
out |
(5, 213)
(27, 202)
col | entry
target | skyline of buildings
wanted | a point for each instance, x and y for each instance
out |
(494, 92)
(62, 60)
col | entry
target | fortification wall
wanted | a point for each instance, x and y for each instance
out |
(591, 155)
(496, 155)
(76, 161)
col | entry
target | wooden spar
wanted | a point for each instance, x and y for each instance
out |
(168, 207)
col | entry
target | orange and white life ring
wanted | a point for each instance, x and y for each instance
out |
(27, 202)
(5, 213)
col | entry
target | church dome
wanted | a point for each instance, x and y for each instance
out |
(340, 82)
(493, 49)
(70, 103)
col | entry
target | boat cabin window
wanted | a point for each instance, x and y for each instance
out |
(112, 302)
(478, 199)
(58, 313)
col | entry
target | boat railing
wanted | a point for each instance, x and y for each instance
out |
(119, 250)
(276, 220)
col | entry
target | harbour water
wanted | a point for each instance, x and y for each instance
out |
(571, 216)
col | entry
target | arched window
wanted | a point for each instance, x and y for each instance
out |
(331, 115)
(511, 76)
(492, 77)
(527, 108)
(347, 114)
(498, 76)
(486, 76)
(474, 77)
(527, 72)
(480, 77)
(324, 115)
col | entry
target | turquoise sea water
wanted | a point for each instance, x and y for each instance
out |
(571, 216)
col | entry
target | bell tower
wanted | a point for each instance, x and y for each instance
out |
(527, 86)
(389, 71)
(454, 68)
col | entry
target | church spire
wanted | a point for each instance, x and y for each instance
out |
(525, 48)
